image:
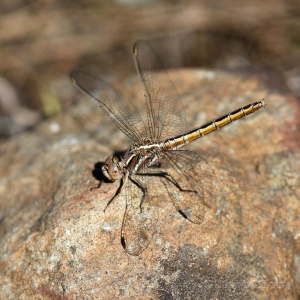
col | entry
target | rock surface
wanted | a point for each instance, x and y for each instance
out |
(57, 243)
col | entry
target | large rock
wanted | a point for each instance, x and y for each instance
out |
(57, 243)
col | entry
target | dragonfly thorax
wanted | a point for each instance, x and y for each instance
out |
(146, 147)
(142, 155)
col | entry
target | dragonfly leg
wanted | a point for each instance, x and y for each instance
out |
(174, 181)
(170, 178)
(96, 187)
(118, 192)
(142, 187)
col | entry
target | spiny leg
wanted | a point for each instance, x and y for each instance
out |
(118, 192)
(140, 186)
(170, 178)
(96, 187)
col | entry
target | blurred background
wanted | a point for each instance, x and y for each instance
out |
(42, 41)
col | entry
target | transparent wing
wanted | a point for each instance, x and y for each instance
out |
(194, 175)
(166, 117)
(139, 224)
(120, 110)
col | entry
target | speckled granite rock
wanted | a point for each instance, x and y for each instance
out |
(57, 243)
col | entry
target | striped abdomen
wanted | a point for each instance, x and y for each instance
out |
(181, 140)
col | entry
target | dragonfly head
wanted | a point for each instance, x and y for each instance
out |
(112, 169)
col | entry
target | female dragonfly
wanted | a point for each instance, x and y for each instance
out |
(154, 157)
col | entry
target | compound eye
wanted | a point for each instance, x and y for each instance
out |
(115, 160)
(114, 171)
(111, 169)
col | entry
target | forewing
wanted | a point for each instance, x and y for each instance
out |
(120, 110)
(194, 175)
(166, 117)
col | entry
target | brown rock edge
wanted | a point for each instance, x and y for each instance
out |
(56, 242)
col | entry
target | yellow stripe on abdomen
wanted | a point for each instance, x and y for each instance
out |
(181, 140)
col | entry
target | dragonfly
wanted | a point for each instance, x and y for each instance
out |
(155, 165)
